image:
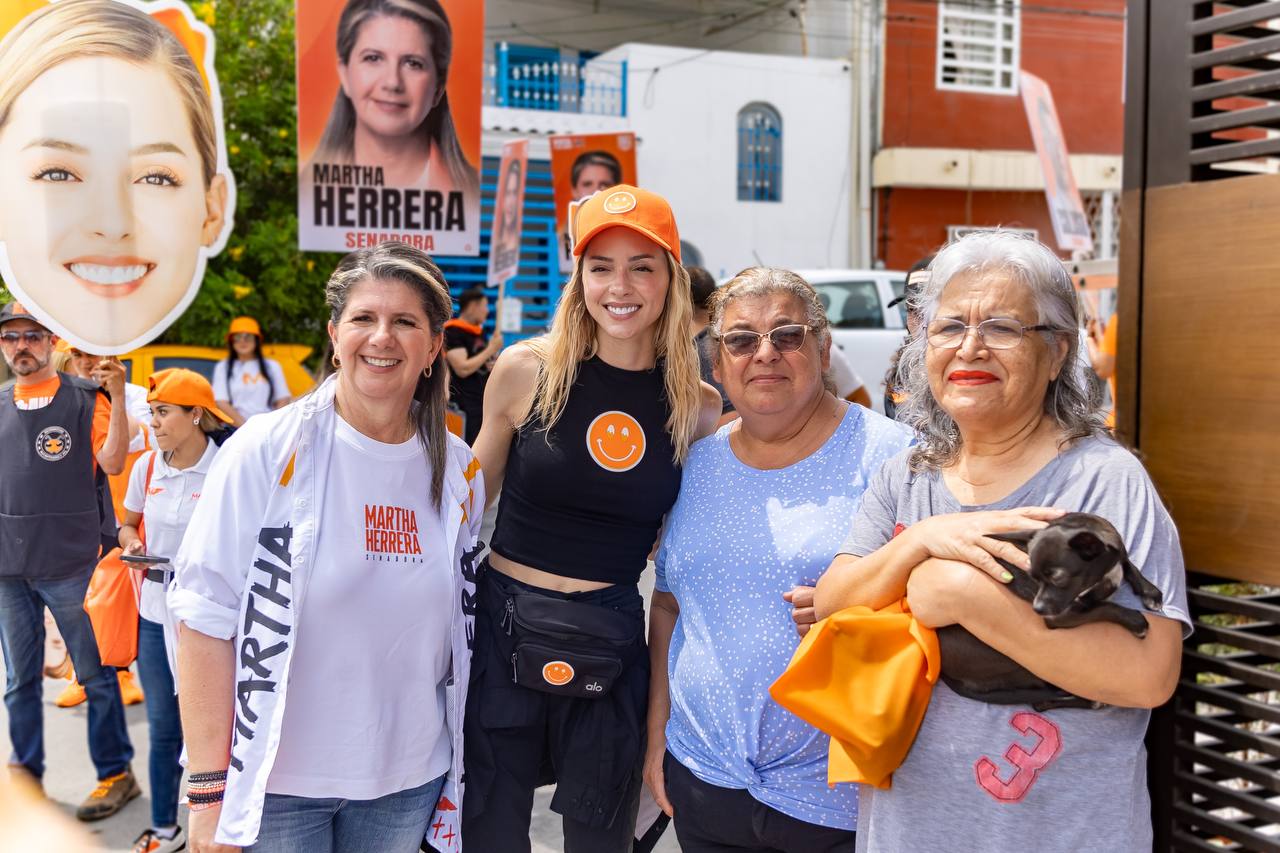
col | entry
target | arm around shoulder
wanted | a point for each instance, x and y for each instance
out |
(507, 397)
(709, 408)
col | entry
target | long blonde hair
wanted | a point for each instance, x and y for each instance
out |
(572, 339)
(105, 28)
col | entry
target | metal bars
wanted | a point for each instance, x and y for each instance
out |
(1226, 723)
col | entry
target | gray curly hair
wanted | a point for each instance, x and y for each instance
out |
(1070, 398)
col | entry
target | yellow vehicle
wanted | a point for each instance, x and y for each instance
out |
(144, 361)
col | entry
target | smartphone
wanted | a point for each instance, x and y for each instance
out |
(143, 559)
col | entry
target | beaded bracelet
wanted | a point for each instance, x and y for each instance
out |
(202, 778)
(199, 807)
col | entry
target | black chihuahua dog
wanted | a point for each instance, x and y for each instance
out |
(1077, 563)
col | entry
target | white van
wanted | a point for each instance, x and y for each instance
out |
(863, 325)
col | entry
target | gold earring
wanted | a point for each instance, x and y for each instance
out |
(427, 373)
(333, 359)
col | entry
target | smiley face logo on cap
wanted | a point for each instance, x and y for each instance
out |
(615, 441)
(557, 673)
(619, 202)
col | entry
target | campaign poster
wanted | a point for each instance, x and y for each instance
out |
(582, 165)
(508, 213)
(1070, 225)
(389, 124)
(113, 165)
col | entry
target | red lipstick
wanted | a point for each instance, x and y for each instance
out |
(972, 377)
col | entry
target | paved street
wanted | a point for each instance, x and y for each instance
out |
(70, 775)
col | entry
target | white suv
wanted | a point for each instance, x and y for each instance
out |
(863, 325)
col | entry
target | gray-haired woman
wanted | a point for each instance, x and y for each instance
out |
(1010, 437)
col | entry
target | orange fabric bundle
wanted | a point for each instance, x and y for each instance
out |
(864, 677)
(112, 605)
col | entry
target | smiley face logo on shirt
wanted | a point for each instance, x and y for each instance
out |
(615, 441)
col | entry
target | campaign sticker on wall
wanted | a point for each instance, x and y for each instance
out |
(582, 165)
(389, 124)
(114, 180)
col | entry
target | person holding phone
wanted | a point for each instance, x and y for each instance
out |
(164, 488)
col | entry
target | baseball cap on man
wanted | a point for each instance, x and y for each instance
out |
(181, 387)
(245, 325)
(15, 310)
(629, 207)
(917, 278)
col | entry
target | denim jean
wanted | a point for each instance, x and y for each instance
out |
(163, 722)
(22, 604)
(396, 823)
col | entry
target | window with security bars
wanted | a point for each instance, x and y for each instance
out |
(978, 45)
(759, 153)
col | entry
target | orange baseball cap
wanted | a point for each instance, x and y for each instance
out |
(246, 325)
(181, 387)
(630, 207)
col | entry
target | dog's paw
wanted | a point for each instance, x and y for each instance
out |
(1153, 600)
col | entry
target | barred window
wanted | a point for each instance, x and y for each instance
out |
(978, 45)
(759, 153)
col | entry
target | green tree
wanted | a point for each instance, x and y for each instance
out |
(260, 272)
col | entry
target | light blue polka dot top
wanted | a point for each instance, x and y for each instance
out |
(737, 539)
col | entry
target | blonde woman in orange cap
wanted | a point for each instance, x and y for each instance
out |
(586, 430)
(164, 487)
(246, 383)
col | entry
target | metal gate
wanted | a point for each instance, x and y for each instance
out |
(1199, 368)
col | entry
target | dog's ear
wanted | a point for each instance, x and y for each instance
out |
(1087, 545)
(1021, 538)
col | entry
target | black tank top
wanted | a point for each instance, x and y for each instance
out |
(586, 499)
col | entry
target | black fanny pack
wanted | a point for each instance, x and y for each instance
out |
(567, 648)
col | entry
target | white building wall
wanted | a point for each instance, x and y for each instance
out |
(683, 106)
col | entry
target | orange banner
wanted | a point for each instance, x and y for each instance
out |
(1070, 225)
(508, 213)
(389, 100)
(582, 165)
(104, 269)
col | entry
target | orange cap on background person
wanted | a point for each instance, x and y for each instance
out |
(63, 345)
(628, 207)
(244, 325)
(181, 387)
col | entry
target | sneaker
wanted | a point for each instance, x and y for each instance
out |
(130, 692)
(109, 797)
(72, 696)
(150, 842)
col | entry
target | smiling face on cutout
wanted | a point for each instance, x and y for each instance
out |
(615, 441)
(105, 210)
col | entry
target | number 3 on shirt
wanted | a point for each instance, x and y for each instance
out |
(1028, 764)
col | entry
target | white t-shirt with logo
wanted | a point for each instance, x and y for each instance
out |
(166, 508)
(246, 388)
(366, 710)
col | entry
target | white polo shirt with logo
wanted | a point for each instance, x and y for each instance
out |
(166, 508)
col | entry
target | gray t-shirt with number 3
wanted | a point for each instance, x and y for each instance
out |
(1005, 777)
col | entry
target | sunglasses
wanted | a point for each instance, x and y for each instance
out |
(30, 337)
(741, 343)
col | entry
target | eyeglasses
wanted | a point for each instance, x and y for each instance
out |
(30, 337)
(994, 334)
(741, 343)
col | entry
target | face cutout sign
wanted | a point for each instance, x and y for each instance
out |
(113, 167)
(615, 441)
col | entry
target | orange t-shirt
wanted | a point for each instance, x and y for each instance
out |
(41, 394)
